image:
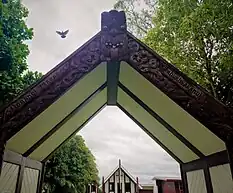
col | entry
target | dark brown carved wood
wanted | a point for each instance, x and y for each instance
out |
(114, 43)
(41, 95)
(181, 89)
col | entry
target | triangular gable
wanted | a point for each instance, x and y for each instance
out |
(125, 171)
(115, 48)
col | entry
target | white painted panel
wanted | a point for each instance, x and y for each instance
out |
(221, 179)
(106, 186)
(30, 180)
(8, 178)
(126, 179)
(155, 189)
(133, 187)
(112, 178)
(123, 181)
(116, 180)
(196, 182)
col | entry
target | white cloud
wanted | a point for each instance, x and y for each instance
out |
(111, 135)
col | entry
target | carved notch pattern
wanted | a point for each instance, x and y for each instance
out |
(182, 90)
(53, 85)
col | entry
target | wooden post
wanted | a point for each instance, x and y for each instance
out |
(120, 176)
(137, 187)
(184, 179)
(20, 176)
(103, 185)
(41, 178)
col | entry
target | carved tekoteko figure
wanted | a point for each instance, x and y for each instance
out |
(114, 42)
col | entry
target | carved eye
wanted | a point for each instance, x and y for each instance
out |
(105, 27)
(108, 44)
(122, 26)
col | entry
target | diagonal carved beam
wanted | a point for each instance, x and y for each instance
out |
(41, 95)
(182, 90)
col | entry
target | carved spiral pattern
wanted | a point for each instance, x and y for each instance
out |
(50, 88)
(182, 90)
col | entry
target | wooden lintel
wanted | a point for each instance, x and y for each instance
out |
(16, 158)
(212, 160)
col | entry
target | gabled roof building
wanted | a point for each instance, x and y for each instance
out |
(120, 181)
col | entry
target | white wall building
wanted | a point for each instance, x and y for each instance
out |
(120, 181)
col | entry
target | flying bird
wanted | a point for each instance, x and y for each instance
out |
(62, 33)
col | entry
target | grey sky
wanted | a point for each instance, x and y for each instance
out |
(110, 135)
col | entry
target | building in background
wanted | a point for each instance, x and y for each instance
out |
(92, 187)
(120, 181)
(167, 185)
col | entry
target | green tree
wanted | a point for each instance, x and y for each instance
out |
(197, 36)
(13, 50)
(71, 168)
(194, 35)
(139, 15)
(29, 78)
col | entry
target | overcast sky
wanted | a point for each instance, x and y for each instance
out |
(111, 135)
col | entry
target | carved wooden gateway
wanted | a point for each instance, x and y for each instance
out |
(114, 68)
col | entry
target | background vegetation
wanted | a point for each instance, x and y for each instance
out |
(71, 168)
(194, 35)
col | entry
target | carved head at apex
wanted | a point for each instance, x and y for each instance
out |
(113, 22)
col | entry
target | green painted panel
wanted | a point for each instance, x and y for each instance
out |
(69, 127)
(155, 128)
(178, 118)
(44, 122)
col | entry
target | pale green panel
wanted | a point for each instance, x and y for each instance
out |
(196, 181)
(8, 178)
(221, 179)
(30, 180)
(69, 127)
(155, 128)
(44, 122)
(172, 113)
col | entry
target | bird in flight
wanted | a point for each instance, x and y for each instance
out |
(62, 33)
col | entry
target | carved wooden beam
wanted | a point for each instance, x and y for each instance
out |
(41, 95)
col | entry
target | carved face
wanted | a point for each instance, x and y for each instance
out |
(114, 41)
(111, 42)
(114, 45)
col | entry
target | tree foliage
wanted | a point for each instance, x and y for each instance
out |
(139, 14)
(71, 168)
(196, 36)
(13, 50)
